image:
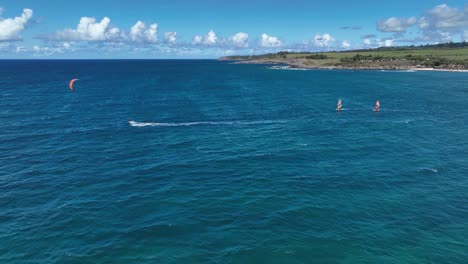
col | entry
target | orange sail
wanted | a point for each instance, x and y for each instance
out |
(377, 106)
(70, 85)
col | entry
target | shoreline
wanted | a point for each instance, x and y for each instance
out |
(299, 65)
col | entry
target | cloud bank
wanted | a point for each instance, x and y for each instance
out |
(89, 29)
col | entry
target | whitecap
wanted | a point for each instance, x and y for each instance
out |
(429, 169)
(406, 121)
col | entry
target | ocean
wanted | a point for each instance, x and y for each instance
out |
(228, 163)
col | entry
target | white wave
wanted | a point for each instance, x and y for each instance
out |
(286, 68)
(429, 169)
(406, 121)
(144, 124)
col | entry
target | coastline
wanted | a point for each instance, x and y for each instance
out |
(299, 64)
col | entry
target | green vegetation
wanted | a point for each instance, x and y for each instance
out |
(320, 56)
(447, 55)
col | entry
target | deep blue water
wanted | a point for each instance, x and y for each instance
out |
(230, 164)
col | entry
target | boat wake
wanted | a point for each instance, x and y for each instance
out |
(158, 124)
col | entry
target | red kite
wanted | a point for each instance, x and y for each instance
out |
(71, 84)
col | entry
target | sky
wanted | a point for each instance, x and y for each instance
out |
(166, 29)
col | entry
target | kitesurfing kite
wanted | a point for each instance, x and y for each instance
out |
(70, 85)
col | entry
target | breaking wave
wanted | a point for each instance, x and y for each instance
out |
(286, 68)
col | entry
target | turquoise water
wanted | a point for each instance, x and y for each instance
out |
(230, 163)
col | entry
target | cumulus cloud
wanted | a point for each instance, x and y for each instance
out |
(270, 41)
(444, 17)
(90, 30)
(435, 36)
(345, 44)
(323, 41)
(394, 24)
(11, 28)
(442, 23)
(197, 40)
(369, 43)
(210, 39)
(386, 42)
(240, 40)
(66, 45)
(439, 24)
(140, 33)
(170, 37)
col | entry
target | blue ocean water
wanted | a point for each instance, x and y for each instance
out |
(226, 163)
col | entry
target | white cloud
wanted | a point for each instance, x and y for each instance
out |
(384, 42)
(367, 41)
(139, 33)
(197, 40)
(323, 41)
(45, 51)
(270, 41)
(210, 39)
(170, 37)
(388, 43)
(439, 24)
(424, 23)
(345, 44)
(136, 32)
(90, 30)
(240, 40)
(444, 17)
(442, 22)
(20, 49)
(11, 28)
(394, 24)
(435, 36)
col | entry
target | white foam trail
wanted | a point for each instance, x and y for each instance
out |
(144, 124)
(407, 121)
(429, 169)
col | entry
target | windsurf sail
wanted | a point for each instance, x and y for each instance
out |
(377, 106)
(339, 105)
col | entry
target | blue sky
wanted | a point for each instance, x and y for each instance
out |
(213, 28)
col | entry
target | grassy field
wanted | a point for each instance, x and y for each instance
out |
(443, 56)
